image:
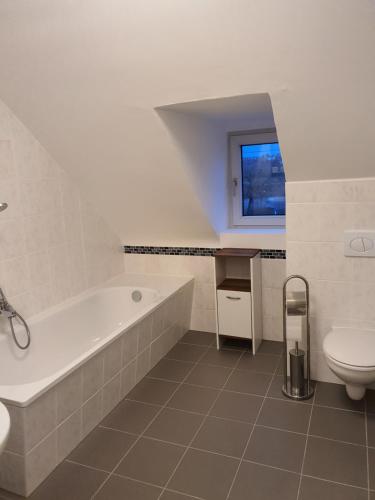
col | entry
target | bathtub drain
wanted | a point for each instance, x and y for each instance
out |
(136, 296)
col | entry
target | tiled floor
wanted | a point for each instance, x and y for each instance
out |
(213, 425)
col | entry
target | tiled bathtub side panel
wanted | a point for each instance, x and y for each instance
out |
(44, 433)
(199, 267)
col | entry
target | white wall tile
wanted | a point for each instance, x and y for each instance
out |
(342, 288)
(69, 395)
(93, 376)
(40, 419)
(143, 364)
(69, 435)
(91, 413)
(129, 345)
(111, 394)
(44, 217)
(128, 379)
(112, 359)
(41, 461)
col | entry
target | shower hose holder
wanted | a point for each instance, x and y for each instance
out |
(297, 386)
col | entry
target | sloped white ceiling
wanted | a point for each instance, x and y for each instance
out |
(86, 77)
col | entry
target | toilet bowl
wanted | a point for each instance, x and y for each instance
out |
(350, 354)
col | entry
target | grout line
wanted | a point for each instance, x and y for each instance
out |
(230, 420)
(281, 398)
(198, 430)
(149, 425)
(251, 433)
(337, 440)
(305, 450)
(270, 466)
(335, 482)
(136, 480)
(91, 467)
(184, 494)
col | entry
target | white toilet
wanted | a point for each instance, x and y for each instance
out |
(350, 354)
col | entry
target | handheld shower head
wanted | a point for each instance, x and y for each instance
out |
(3, 206)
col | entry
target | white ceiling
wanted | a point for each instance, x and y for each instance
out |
(86, 77)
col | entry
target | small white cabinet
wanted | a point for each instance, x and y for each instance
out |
(234, 313)
(238, 280)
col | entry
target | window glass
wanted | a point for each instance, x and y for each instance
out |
(263, 180)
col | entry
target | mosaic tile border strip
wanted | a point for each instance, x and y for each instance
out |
(273, 254)
(194, 251)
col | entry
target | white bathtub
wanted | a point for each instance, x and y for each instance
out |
(85, 356)
(66, 336)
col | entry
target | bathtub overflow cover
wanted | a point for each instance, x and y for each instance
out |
(137, 296)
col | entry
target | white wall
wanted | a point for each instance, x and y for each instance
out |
(342, 288)
(203, 270)
(86, 78)
(52, 243)
(202, 145)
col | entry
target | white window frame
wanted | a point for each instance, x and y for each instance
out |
(235, 178)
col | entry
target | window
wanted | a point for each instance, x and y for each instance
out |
(258, 180)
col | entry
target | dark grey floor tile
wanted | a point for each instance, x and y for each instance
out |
(154, 391)
(204, 475)
(336, 461)
(236, 344)
(264, 363)
(334, 395)
(221, 357)
(7, 495)
(313, 489)
(223, 436)
(172, 370)
(371, 429)
(236, 406)
(280, 367)
(372, 495)
(186, 352)
(370, 400)
(285, 415)
(264, 483)
(102, 448)
(249, 382)
(172, 495)
(276, 448)
(70, 481)
(342, 425)
(209, 376)
(151, 461)
(192, 398)
(175, 426)
(276, 392)
(270, 347)
(371, 463)
(131, 416)
(121, 488)
(199, 338)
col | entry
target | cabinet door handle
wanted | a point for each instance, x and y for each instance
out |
(233, 298)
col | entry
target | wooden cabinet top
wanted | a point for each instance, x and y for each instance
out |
(237, 252)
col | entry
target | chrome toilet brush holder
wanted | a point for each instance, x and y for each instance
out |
(297, 386)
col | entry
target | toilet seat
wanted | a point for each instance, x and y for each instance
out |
(351, 347)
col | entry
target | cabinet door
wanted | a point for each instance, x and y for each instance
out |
(234, 313)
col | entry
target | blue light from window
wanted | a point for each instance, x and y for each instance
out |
(263, 180)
